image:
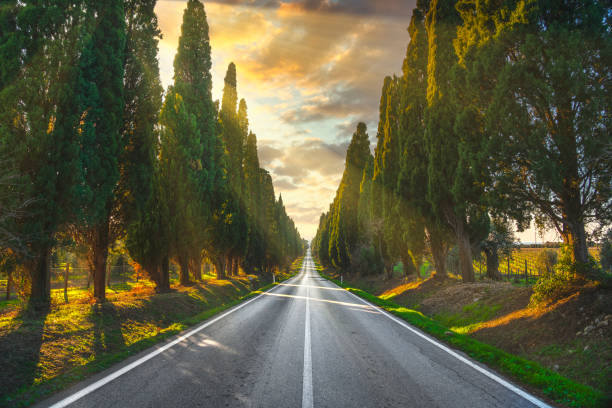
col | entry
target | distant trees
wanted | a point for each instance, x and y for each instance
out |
(340, 232)
(91, 151)
(502, 114)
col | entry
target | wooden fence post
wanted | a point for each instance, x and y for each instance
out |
(526, 273)
(66, 272)
(509, 271)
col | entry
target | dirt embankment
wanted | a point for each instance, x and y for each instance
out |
(572, 335)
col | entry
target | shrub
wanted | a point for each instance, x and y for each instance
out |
(553, 285)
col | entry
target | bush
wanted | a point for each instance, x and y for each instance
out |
(554, 285)
(546, 261)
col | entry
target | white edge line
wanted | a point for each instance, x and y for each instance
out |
(114, 375)
(478, 368)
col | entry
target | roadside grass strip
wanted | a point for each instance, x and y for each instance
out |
(549, 383)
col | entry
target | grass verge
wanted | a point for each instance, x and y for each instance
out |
(75, 341)
(536, 377)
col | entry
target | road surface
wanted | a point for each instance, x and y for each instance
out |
(305, 343)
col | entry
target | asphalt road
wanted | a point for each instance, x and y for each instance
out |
(305, 343)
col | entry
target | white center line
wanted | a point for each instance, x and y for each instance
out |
(307, 401)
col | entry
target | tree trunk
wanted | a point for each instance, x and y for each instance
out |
(578, 241)
(408, 266)
(41, 277)
(109, 270)
(418, 262)
(438, 252)
(184, 272)
(228, 266)
(235, 267)
(100, 256)
(465, 254)
(196, 269)
(220, 267)
(492, 264)
(164, 276)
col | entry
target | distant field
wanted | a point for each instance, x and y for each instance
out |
(521, 260)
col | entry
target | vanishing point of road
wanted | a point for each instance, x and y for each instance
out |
(304, 343)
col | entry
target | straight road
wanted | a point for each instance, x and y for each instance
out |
(305, 343)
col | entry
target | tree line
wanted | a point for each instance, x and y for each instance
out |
(94, 151)
(501, 116)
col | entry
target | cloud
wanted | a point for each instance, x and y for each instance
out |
(282, 184)
(267, 154)
(395, 8)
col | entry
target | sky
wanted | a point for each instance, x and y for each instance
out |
(309, 70)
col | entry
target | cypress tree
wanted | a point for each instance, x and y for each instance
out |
(413, 175)
(442, 141)
(101, 101)
(233, 138)
(181, 150)
(39, 42)
(193, 83)
(344, 231)
(143, 98)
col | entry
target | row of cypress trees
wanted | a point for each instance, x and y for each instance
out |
(97, 153)
(502, 115)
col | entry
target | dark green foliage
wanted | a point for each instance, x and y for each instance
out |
(100, 99)
(139, 208)
(39, 44)
(143, 98)
(340, 235)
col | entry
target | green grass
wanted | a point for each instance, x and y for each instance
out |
(470, 317)
(547, 382)
(82, 339)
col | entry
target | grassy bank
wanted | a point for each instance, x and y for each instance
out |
(42, 352)
(533, 375)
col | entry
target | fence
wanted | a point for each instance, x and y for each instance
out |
(511, 269)
(79, 278)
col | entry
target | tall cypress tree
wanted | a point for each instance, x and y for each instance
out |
(413, 175)
(143, 98)
(442, 140)
(139, 205)
(344, 231)
(255, 255)
(193, 82)
(101, 101)
(233, 138)
(180, 166)
(40, 41)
